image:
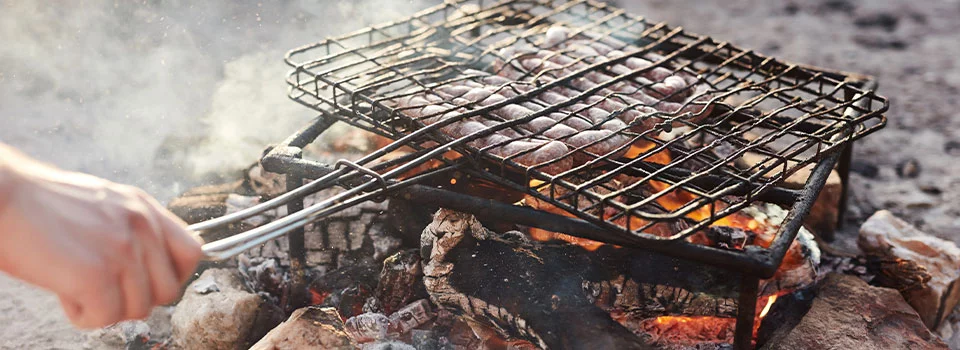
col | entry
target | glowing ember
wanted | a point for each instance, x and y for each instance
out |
(689, 330)
(544, 235)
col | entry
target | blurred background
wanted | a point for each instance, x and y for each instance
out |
(167, 95)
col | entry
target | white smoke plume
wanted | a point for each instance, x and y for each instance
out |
(160, 94)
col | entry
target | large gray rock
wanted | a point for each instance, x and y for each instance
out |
(850, 314)
(311, 327)
(885, 235)
(216, 312)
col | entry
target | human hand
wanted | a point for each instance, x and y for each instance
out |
(109, 251)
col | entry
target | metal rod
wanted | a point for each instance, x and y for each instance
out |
(746, 313)
(843, 169)
(298, 252)
(794, 221)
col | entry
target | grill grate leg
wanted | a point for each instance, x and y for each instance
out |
(843, 169)
(746, 312)
(297, 297)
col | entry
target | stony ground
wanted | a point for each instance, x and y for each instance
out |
(163, 95)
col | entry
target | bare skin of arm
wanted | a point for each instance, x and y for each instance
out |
(109, 251)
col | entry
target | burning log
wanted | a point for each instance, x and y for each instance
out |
(401, 281)
(519, 288)
(506, 285)
(346, 289)
(925, 269)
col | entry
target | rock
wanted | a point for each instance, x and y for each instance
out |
(837, 5)
(215, 317)
(866, 169)
(883, 20)
(952, 148)
(879, 41)
(884, 235)
(308, 328)
(847, 313)
(908, 169)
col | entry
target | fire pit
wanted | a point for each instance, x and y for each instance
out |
(581, 122)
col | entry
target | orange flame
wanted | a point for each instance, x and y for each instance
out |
(766, 308)
(701, 328)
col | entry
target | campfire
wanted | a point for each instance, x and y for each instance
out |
(537, 175)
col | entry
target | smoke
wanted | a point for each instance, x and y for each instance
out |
(160, 94)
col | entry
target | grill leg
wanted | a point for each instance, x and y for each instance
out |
(843, 169)
(746, 312)
(298, 253)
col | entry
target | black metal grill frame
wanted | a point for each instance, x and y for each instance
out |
(857, 117)
(817, 112)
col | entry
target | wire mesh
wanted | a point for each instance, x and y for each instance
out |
(669, 125)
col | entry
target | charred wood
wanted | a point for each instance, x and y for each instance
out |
(401, 281)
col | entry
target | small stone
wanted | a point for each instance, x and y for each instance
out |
(791, 8)
(868, 170)
(931, 189)
(879, 41)
(886, 236)
(308, 328)
(847, 313)
(882, 20)
(952, 148)
(908, 169)
(838, 5)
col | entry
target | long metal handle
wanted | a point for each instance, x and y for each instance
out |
(371, 189)
(231, 246)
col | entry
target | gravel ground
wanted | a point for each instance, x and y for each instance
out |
(167, 95)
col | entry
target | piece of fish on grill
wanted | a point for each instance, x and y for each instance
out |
(583, 129)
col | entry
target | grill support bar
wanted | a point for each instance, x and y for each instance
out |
(746, 312)
(298, 252)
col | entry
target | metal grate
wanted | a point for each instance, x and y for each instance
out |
(738, 125)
